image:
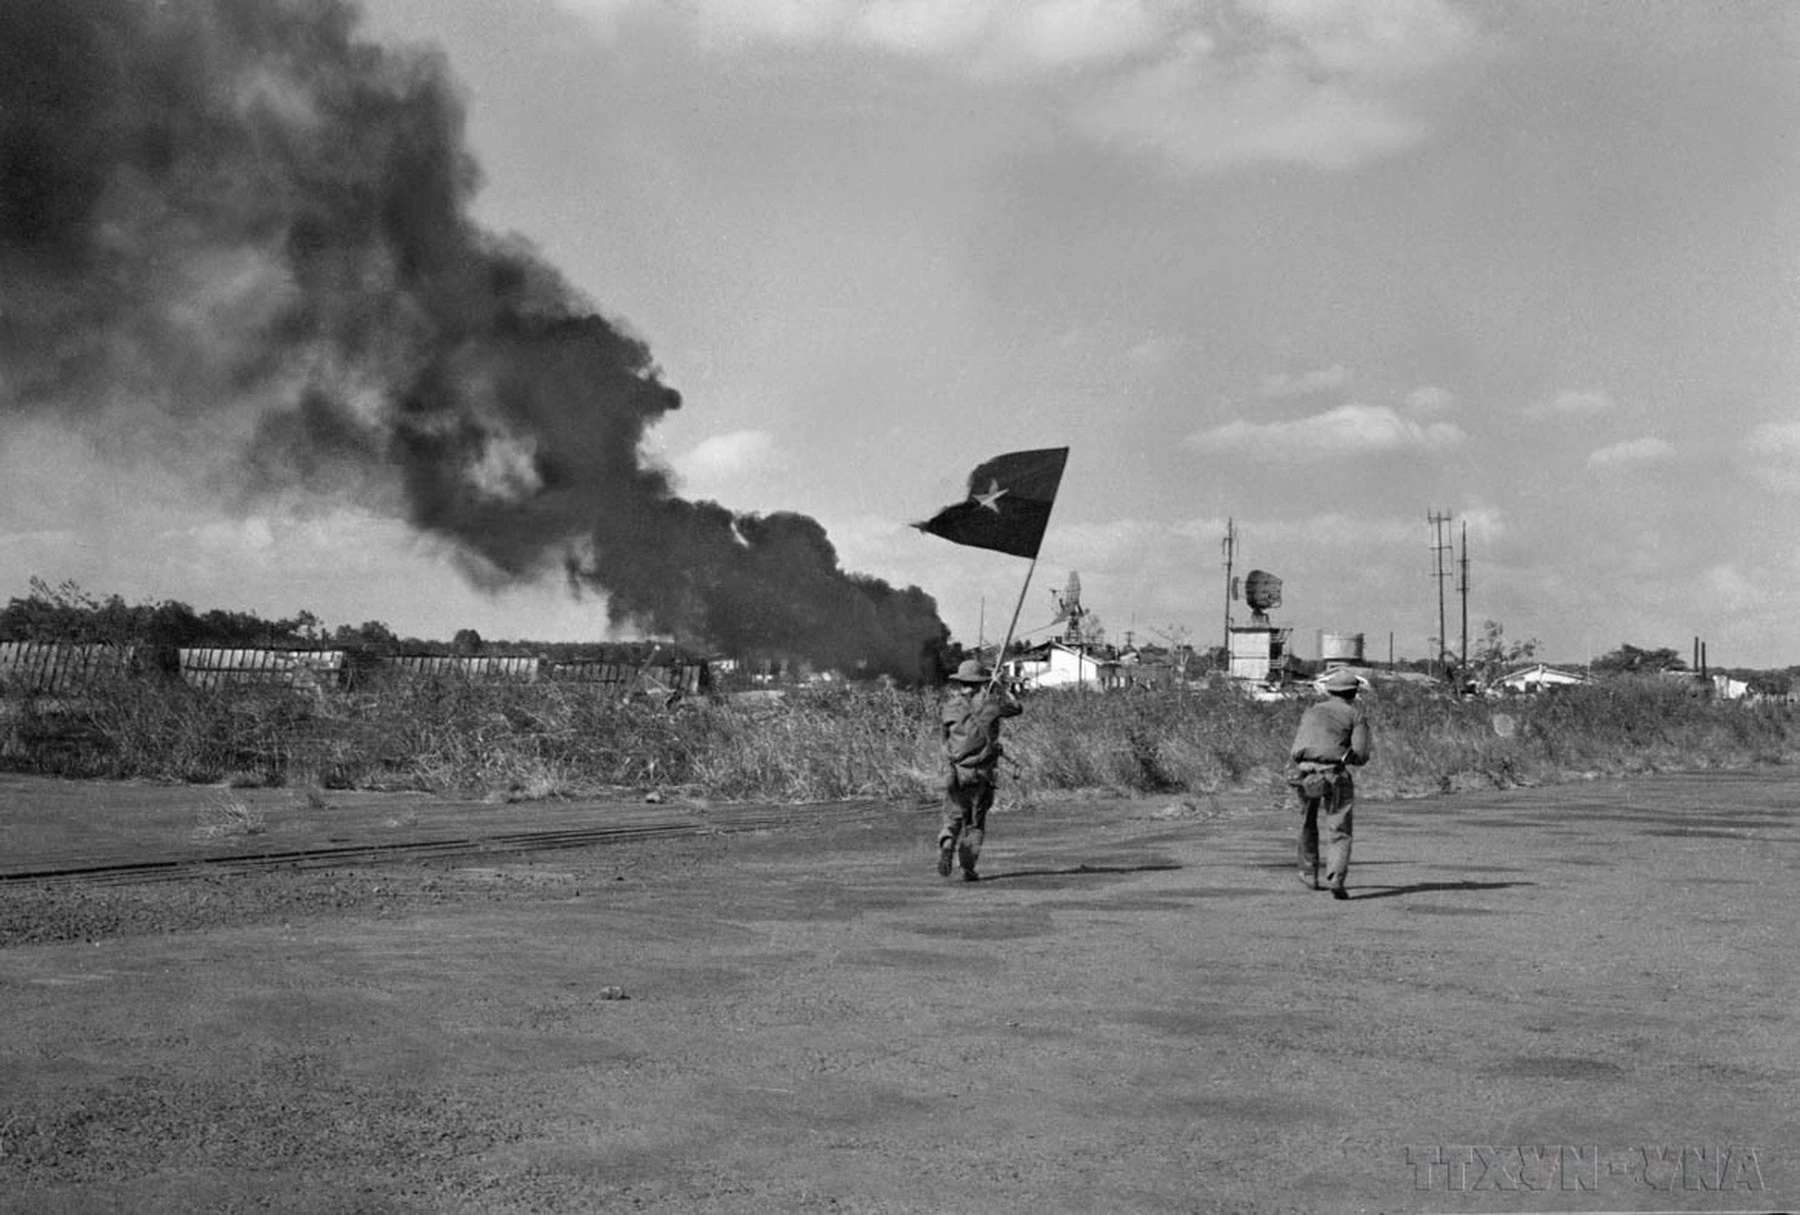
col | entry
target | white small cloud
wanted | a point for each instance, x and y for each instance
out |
(1728, 586)
(1772, 455)
(1430, 399)
(1346, 429)
(1485, 522)
(722, 457)
(1574, 403)
(252, 536)
(1280, 385)
(1152, 352)
(1630, 451)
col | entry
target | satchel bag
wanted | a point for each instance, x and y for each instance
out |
(1311, 785)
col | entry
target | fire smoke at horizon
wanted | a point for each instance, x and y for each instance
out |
(238, 218)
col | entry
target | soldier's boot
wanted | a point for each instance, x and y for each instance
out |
(946, 853)
(1309, 864)
(1337, 868)
(967, 853)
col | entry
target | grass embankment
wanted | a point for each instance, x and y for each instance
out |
(538, 741)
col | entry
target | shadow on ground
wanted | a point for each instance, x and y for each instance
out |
(1388, 892)
(1076, 870)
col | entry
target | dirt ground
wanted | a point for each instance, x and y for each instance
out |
(1568, 999)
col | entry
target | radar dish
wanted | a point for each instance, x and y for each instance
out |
(1262, 591)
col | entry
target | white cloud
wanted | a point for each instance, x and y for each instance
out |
(1772, 455)
(1330, 83)
(1202, 116)
(1346, 429)
(1335, 529)
(1283, 384)
(722, 457)
(1155, 351)
(253, 536)
(981, 36)
(1572, 403)
(1728, 586)
(1485, 522)
(1630, 451)
(1430, 399)
(1388, 39)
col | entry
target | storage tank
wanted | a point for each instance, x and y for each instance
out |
(1341, 647)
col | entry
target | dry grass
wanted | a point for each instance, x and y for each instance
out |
(513, 743)
(228, 817)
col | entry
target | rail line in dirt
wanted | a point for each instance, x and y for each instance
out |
(114, 871)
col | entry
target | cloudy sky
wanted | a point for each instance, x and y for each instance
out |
(1322, 268)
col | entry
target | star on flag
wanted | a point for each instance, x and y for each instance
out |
(1010, 515)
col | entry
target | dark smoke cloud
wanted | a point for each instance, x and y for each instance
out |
(236, 219)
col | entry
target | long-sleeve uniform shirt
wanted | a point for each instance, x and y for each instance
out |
(1333, 731)
(972, 729)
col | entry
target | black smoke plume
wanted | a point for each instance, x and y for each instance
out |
(238, 219)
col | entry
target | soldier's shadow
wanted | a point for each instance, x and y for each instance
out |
(1077, 870)
(1388, 892)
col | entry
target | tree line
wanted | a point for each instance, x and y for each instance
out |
(68, 614)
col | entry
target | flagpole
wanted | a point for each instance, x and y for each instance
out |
(1018, 607)
(1000, 658)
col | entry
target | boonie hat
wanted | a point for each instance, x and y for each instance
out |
(1341, 680)
(971, 671)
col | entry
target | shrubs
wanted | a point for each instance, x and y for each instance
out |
(533, 741)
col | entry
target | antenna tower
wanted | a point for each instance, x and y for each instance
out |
(1439, 520)
(1463, 586)
(1229, 547)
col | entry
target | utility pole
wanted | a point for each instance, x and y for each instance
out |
(1229, 546)
(1463, 586)
(1439, 520)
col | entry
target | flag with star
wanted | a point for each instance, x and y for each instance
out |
(1008, 505)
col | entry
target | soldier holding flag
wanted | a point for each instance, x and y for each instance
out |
(1007, 510)
(971, 733)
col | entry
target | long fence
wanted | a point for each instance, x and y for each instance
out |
(50, 667)
(54, 668)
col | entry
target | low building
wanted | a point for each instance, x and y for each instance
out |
(1259, 653)
(1536, 678)
(1727, 688)
(1055, 665)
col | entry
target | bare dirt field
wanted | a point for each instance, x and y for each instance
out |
(1566, 999)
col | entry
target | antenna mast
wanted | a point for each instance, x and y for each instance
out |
(1229, 546)
(1464, 588)
(1439, 520)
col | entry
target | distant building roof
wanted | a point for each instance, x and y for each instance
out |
(1537, 675)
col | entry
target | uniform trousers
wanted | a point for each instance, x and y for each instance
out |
(968, 795)
(1327, 819)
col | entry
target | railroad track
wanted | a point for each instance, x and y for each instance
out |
(113, 871)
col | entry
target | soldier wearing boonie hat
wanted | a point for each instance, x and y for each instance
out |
(971, 737)
(1333, 737)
